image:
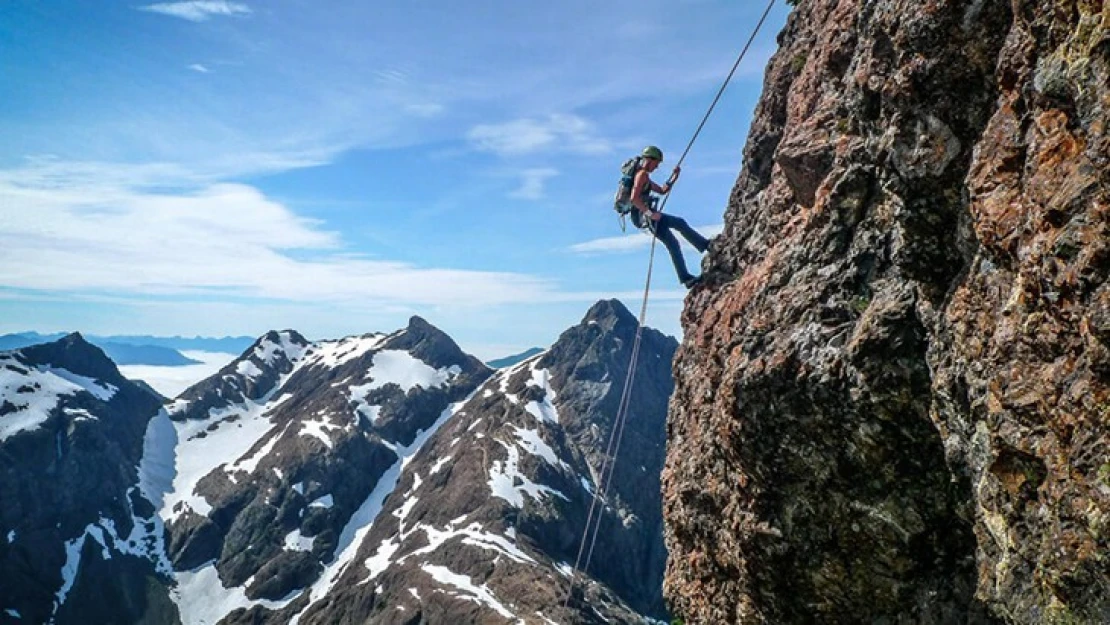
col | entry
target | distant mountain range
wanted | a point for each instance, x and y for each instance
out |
(156, 350)
(166, 350)
(383, 478)
(509, 361)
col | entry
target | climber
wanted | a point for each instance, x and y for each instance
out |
(662, 224)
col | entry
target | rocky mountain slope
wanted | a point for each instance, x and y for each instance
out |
(482, 514)
(382, 478)
(71, 436)
(892, 403)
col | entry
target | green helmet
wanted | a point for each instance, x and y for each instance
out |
(652, 152)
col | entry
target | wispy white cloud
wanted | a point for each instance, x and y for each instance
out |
(220, 238)
(629, 242)
(198, 10)
(557, 133)
(83, 180)
(532, 183)
(197, 67)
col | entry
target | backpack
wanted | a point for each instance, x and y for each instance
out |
(622, 201)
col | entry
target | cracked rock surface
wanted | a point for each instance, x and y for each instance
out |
(892, 404)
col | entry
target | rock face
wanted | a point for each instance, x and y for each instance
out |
(74, 529)
(893, 405)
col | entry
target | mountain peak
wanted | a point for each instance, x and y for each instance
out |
(292, 336)
(73, 353)
(419, 324)
(609, 311)
(430, 344)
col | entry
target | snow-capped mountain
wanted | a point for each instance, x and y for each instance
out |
(386, 478)
(77, 539)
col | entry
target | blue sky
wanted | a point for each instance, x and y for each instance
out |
(230, 167)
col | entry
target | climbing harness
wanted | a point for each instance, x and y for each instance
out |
(593, 524)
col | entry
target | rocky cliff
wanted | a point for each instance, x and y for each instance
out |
(892, 403)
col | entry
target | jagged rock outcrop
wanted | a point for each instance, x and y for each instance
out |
(74, 529)
(891, 403)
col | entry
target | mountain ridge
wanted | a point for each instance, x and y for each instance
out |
(291, 485)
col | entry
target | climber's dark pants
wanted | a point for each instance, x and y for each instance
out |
(663, 231)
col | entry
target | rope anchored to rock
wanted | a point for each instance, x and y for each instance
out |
(593, 524)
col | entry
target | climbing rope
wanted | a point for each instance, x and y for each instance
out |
(609, 461)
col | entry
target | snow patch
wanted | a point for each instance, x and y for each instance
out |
(439, 465)
(381, 559)
(331, 354)
(69, 569)
(101, 390)
(36, 393)
(145, 541)
(565, 569)
(531, 442)
(80, 414)
(295, 541)
(503, 474)
(237, 429)
(362, 406)
(416, 482)
(248, 369)
(586, 485)
(201, 597)
(543, 410)
(401, 368)
(323, 502)
(504, 376)
(320, 430)
(250, 463)
(157, 468)
(478, 594)
(472, 535)
(403, 512)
